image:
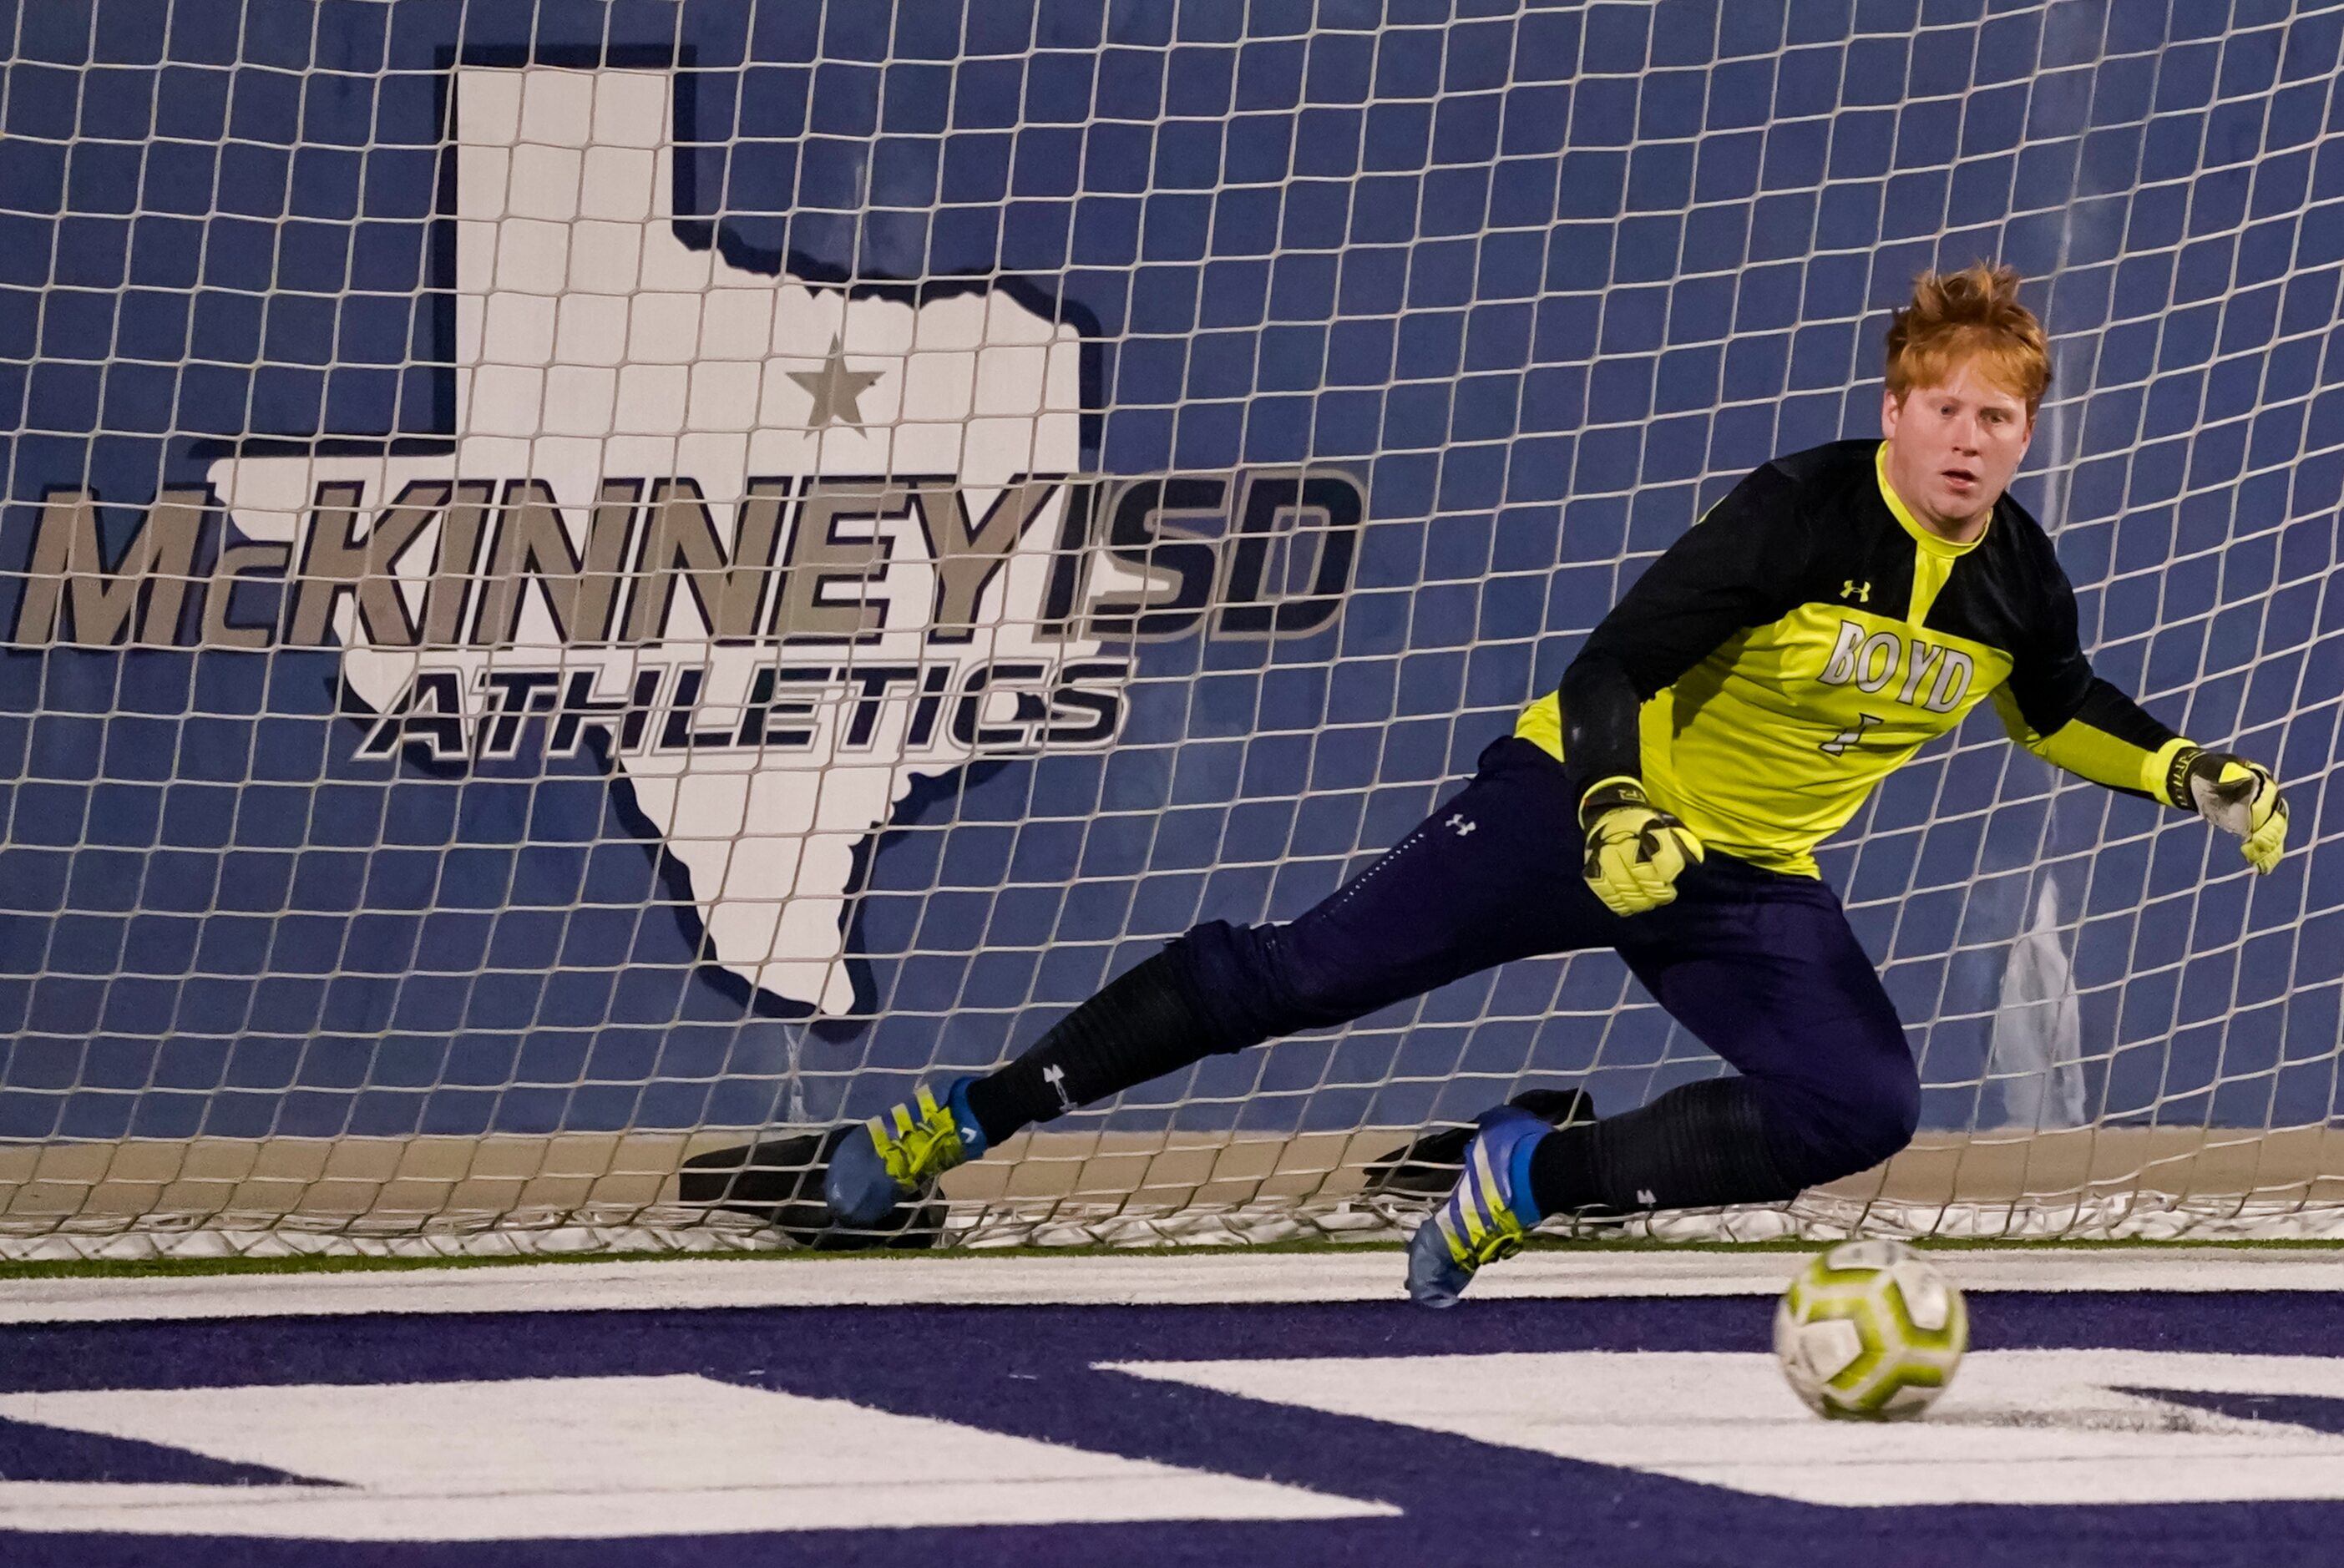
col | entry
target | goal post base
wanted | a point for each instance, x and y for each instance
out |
(573, 1193)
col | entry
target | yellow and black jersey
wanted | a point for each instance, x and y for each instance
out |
(1807, 636)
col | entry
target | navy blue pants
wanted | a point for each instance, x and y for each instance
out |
(1762, 968)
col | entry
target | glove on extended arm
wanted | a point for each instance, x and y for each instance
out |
(2237, 796)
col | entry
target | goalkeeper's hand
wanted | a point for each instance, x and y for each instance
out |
(2237, 796)
(1635, 851)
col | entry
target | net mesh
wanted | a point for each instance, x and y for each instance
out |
(586, 586)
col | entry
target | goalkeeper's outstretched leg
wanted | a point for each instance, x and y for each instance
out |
(1472, 886)
(1760, 966)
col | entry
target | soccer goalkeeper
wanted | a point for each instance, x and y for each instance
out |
(1837, 610)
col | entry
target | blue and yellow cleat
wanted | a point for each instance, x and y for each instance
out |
(1488, 1214)
(906, 1149)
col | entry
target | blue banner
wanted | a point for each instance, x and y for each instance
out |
(574, 567)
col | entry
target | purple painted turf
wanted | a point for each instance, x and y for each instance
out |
(31, 1451)
(1029, 1372)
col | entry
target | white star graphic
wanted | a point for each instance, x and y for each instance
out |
(836, 390)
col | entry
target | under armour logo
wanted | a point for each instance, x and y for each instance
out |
(1859, 592)
(1459, 824)
(1055, 1076)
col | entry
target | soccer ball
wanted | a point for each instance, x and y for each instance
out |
(1870, 1331)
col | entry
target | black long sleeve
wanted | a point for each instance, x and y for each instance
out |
(1600, 720)
(2056, 707)
(1743, 565)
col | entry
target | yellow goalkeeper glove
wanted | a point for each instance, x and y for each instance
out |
(1635, 851)
(2237, 796)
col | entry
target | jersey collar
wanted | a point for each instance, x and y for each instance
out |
(1936, 543)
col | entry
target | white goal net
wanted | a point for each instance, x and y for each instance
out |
(587, 589)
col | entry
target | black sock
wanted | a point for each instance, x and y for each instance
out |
(1697, 1146)
(1147, 1022)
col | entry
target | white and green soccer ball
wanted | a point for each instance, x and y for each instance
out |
(1870, 1331)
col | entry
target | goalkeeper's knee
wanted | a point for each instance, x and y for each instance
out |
(1868, 1115)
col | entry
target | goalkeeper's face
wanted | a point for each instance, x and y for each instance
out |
(1953, 446)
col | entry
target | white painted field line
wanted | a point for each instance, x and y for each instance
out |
(504, 1460)
(1150, 1278)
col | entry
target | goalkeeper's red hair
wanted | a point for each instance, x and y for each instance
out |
(1967, 366)
(1973, 315)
